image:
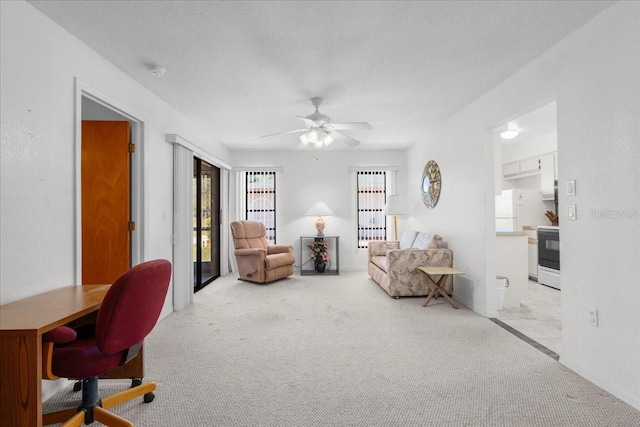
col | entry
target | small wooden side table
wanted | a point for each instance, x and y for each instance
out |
(437, 288)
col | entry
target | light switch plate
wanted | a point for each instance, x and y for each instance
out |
(571, 187)
(572, 214)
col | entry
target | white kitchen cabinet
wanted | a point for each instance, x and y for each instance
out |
(531, 165)
(532, 240)
(512, 168)
(521, 168)
(511, 262)
(548, 175)
(533, 260)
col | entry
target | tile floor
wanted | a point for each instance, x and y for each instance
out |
(538, 317)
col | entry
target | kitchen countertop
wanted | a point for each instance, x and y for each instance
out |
(511, 233)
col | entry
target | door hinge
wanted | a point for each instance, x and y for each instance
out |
(132, 148)
(132, 225)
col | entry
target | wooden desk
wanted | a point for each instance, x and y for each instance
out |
(22, 324)
(437, 288)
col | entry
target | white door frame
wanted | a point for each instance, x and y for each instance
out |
(139, 183)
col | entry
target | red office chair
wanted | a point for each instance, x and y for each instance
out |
(128, 313)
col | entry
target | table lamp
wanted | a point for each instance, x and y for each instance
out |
(319, 209)
(394, 206)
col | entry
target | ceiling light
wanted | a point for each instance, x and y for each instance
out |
(511, 132)
(319, 138)
(312, 135)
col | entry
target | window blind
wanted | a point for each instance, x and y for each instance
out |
(371, 197)
(261, 200)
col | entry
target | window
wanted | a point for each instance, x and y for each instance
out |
(371, 196)
(261, 200)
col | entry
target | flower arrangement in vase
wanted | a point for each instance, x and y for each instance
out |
(319, 254)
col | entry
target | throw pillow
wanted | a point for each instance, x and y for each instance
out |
(427, 241)
(407, 239)
(422, 241)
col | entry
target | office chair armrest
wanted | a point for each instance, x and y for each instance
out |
(60, 335)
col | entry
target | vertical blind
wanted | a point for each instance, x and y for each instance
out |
(371, 198)
(261, 200)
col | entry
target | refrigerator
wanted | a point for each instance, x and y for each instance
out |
(507, 210)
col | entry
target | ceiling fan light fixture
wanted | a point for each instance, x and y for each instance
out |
(312, 136)
(323, 139)
(318, 130)
(319, 138)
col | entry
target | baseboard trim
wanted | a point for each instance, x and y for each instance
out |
(601, 382)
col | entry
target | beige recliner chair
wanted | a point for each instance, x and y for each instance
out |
(258, 261)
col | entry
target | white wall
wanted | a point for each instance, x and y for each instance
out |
(595, 76)
(314, 175)
(40, 62)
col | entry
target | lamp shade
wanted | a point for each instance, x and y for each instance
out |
(395, 206)
(319, 209)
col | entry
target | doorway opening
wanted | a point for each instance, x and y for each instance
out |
(94, 107)
(206, 223)
(526, 173)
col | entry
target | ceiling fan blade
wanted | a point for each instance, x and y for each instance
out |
(340, 137)
(350, 125)
(284, 133)
(308, 122)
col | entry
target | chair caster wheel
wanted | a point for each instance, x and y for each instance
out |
(77, 386)
(148, 397)
(135, 382)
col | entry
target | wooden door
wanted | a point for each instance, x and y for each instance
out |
(106, 209)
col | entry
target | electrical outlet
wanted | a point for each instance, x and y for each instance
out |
(592, 316)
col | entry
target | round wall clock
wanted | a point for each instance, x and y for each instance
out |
(430, 184)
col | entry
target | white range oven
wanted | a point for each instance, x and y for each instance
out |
(549, 256)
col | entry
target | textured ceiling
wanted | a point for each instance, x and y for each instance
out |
(245, 69)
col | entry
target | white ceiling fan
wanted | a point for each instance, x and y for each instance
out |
(320, 132)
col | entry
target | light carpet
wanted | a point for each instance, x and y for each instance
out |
(337, 351)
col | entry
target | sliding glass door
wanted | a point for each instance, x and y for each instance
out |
(206, 223)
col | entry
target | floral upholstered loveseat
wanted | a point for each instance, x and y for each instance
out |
(394, 264)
